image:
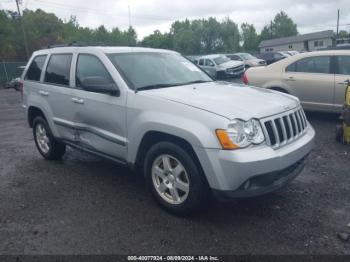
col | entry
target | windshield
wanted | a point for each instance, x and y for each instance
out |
(247, 56)
(221, 59)
(154, 69)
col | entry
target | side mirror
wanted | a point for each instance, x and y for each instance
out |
(99, 84)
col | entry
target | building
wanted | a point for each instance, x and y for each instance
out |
(306, 42)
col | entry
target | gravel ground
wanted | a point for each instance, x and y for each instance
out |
(88, 205)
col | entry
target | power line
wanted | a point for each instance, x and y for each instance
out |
(96, 10)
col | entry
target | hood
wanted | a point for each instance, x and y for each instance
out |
(232, 63)
(228, 99)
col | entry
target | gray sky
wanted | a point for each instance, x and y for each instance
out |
(149, 15)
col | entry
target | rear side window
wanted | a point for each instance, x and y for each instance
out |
(343, 65)
(201, 62)
(58, 69)
(318, 64)
(90, 66)
(35, 68)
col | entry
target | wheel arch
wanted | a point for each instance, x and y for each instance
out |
(152, 137)
(33, 112)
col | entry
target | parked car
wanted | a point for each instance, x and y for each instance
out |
(272, 57)
(317, 78)
(248, 59)
(14, 83)
(193, 58)
(292, 52)
(155, 111)
(220, 66)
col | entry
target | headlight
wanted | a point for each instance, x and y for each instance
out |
(240, 134)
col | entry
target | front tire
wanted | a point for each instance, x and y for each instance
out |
(47, 145)
(174, 178)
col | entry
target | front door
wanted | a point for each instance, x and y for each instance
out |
(100, 117)
(312, 81)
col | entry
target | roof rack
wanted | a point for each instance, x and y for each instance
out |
(66, 45)
(77, 44)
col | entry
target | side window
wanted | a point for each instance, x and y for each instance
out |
(35, 68)
(236, 57)
(277, 55)
(58, 69)
(292, 67)
(208, 62)
(343, 65)
(90, 67)
(201, 62)
(318, 64)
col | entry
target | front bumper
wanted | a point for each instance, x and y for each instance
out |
(235, 73)
(263, 184)
(265, 168)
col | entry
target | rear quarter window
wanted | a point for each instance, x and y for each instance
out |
(35, 68)
(58, 69)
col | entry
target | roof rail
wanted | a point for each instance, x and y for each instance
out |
(77, 44)
(66, 45)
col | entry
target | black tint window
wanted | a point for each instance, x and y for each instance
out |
(89, 66)
(58, 69)
(35, 68)
(319, 64)
(201, 62)
(344, 65)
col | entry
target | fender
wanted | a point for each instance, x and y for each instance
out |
(175, 125)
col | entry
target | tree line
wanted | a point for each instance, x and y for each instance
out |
(199, 36)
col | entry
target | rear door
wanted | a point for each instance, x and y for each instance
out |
(342, 76)
(57, 90)
(100, 118)
(311, 79)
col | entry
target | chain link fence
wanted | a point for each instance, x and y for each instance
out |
(10, 70)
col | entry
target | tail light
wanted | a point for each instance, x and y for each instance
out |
(245, 79)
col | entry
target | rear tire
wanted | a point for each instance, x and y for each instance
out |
(174, 178)
(47, 145)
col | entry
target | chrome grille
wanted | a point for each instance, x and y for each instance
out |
(282, 129)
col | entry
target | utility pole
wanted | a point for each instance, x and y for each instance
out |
(338, 24)
(129, 16)
(271, 29)
(23, 31)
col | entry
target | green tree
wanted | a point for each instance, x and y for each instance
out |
(230, 36)
(158, 40)
(281, 26)
(343, 34)
(249, 37)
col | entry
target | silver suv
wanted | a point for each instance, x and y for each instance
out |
(220, 66)
(157, 112)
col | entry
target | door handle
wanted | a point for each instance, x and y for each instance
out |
(290, 79)
(77, 100)
(43, 93)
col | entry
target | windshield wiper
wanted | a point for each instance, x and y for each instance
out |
(196, 82)
(156, 86)
(148, 87)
